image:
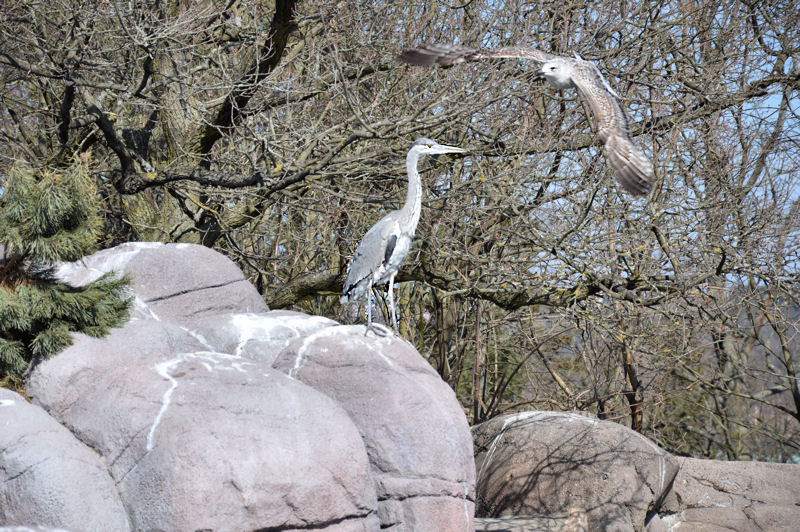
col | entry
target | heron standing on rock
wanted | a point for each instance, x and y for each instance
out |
(383, 249)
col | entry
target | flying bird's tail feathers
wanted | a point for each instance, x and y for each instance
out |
(634, 171)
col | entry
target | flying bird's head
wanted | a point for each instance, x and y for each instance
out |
(558, 73)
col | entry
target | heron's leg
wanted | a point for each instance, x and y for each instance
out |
(369, 308)
(391, 302)
(369, 304)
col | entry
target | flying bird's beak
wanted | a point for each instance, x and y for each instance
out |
(539, 74)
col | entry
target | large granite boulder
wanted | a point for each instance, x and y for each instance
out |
(200, 425)
(424, 477)
(200, 439)
(713, 496)
(27, 528)
(48, 477)
(572, 522)
(535, 463)
(173, 282)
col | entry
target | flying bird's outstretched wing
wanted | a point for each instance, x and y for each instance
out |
(633, 169)
(447, 54)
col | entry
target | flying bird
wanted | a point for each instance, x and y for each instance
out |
(633, 169)
(383, 249)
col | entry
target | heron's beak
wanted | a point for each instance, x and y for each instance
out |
(444, 148)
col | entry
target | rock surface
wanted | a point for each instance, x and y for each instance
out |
(561, 462)
(549, 471)
(576, 522)
(199, 424)
(424, 478)
(199, 439)
(25, 528)
(208, 411)
(711, 495)
(175, 282)
(48, 477)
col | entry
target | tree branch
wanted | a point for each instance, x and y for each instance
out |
(139, 181)
(265, 62)
(303, 287)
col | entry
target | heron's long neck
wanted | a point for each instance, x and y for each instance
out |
(413, 204)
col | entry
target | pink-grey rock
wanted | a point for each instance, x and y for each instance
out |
(555, 462)
(710, 495)
(575, 522)
(198, 429)
(172, 282)
(416, 434)
(257, 336)
(199, 439)
(48, 477)
(26, 528)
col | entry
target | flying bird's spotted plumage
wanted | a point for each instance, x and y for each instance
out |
(632, 168)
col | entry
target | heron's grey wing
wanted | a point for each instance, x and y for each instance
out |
(448, 54)
(390, 243)
(369, 256)
(633, 169)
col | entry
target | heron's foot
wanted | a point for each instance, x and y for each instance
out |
(379, 329)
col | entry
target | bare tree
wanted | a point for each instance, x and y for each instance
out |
(275, 132)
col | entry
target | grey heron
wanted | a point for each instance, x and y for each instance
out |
(633, 169)
(382, 250)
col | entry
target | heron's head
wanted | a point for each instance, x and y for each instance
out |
(557, 72)
(425, 146)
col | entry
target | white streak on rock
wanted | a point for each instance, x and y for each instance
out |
(239, 366)
(101, 263)
(260, 326)
(662, 464)
(307, 341)
(163, 369)
(7, 402)
(248, 325)
(572, 416)
(507, 422)
(466, 504)
(373, 348)
(384, 357)
(142, 307)
(199, 337)
(299, 322)
(210, 360)
(673, 521)
(214, 360)
(386, 339)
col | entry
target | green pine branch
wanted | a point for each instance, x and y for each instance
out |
(45, 218)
